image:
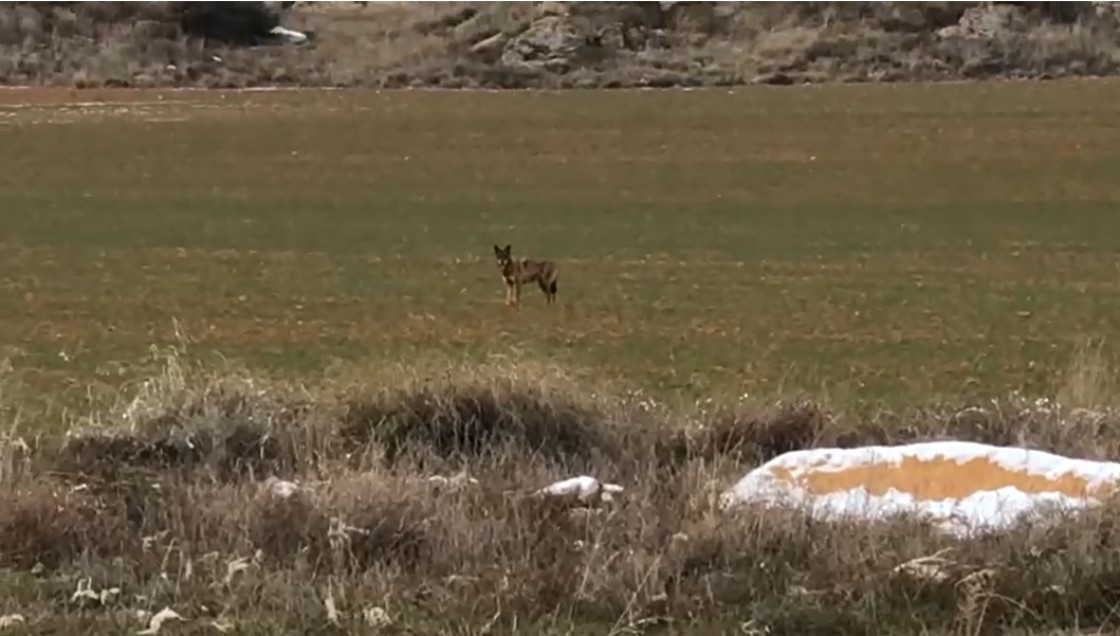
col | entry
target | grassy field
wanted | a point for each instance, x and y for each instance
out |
(862, 242)
(869, 242)
(872, 248)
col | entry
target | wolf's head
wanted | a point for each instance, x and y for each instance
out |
(502, 254)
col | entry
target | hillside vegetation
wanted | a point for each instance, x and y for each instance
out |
(551, 44)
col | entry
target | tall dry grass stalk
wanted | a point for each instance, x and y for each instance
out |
(1090, 380)
(262, 501)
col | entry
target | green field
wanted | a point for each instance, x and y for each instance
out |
(866, 243)
(322, 256)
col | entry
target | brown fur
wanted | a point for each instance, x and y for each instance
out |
(518, 272)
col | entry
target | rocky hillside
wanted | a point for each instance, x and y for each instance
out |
(550, 44)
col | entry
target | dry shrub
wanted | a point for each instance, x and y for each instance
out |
(752, 436)
(1016, 421)
(478, 421)
(37, 527)
(1090, 381)
(283, 528)
(424, 44)
(454, 14)
(233, 431)
(748, 437)
(44, 524)
(800, 575)
(492, 554)
(347, 526)
(383, 525)
(661, 552)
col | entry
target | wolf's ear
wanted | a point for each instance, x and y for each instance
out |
(508, 246)
(497, 250)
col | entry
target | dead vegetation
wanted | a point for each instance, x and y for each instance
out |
(243, 503)
(463, 423)
(552, 44)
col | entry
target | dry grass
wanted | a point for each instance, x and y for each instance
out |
(419, 44)
(380, 540)
(1088, 382)
(895, 263)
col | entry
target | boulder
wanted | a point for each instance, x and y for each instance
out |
(551, 43)
(987, 21)
(565, 36)
(959, 487)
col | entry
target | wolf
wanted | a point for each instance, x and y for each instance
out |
(517, 272)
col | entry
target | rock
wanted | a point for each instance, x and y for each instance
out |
(958, 487)
(987, 21)
(490, 49)
(551, 43)
(552, 9)
(566, 36)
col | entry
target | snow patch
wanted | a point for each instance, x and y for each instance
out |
(960, 486)
(281, 488)
(288, 35)
(583, 488)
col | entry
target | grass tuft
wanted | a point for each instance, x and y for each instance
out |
(487, 551)
(472, 415)
(1089, 380)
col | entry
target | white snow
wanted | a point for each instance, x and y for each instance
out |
(584, 488)
(288, 35)
(157, 621)
(281, 488)
(995, 499)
